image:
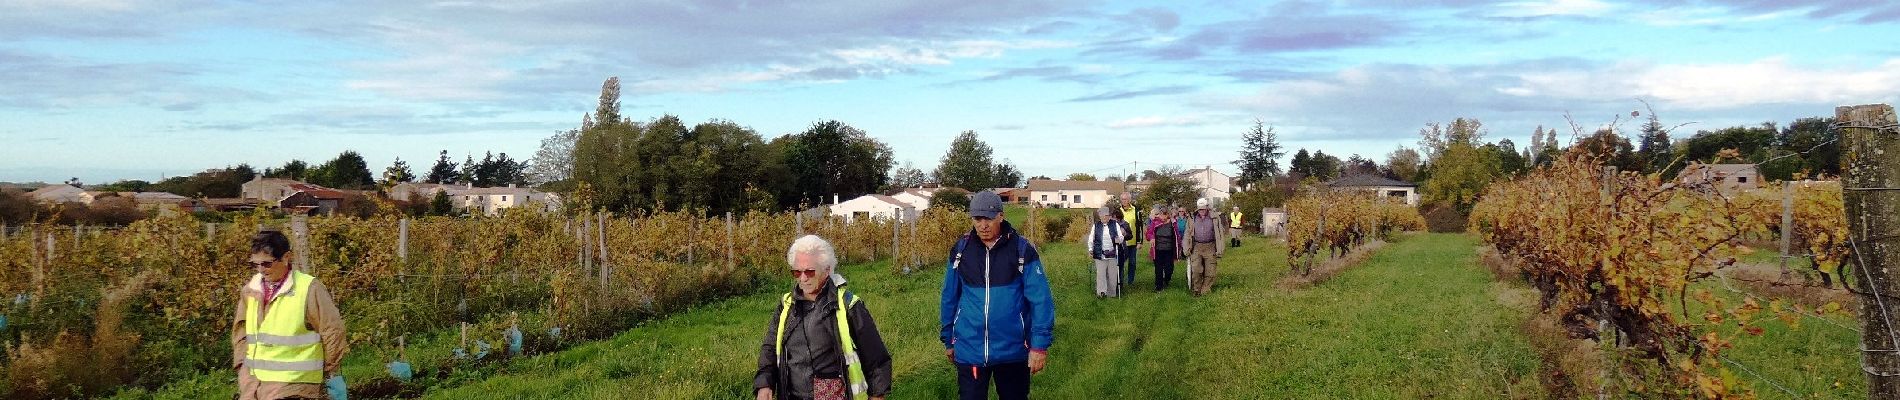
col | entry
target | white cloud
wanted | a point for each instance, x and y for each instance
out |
(1767, 81)
(1157, 122)
(1552, 8)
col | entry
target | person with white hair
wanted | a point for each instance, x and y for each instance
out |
(1104, 246)
(822, 343)
(1204, 247)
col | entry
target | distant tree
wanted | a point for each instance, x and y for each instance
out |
(1259, 154)
(967, 164)
(951, 198)
(1510, 161)
(1357, 165)
(1007, 175)
(444, 170)
(1040, 178)
(398, 172)
(293, 170)
(1082, 176)
(1703, 146)
(1460, 167)
(907, 176)
(1403, 164)
(440, 205)
(1302, 163)
(225, 182)
(346, 171)
(554, 162)
(126, 185)
(831, 158)
(1817, 143)
(1653, 146)
(1169, 187)
(1319, 166)
(608, 112)
(470, 170)
(1611, 149)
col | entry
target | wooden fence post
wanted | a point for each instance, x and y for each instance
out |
(300, 233)
(1787, 225)
(402, 240)
(731, 262)
(1870, 183)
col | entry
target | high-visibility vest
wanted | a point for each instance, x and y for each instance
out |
(278, 347)
(1236, 222)
(854, 370)
(1128, 215)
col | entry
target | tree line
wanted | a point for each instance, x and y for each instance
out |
(1453, 163)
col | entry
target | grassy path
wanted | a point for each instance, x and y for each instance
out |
(1416, 321)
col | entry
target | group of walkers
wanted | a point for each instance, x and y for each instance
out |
(1172, 233)
(996, 311)
(996, 314)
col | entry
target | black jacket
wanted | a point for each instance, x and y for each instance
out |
(811, 346)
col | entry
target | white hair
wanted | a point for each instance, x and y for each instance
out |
(815, 246)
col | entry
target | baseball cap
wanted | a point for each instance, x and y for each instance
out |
(986, 204)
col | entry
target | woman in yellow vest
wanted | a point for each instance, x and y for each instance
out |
(287, 339)
(821, 344)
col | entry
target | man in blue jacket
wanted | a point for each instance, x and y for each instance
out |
(997, 313)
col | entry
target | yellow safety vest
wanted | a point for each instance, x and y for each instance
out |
(1128, 215)
(854, 370)
(278, 347)
(1236, 221)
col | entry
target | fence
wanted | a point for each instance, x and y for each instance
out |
(573, 276)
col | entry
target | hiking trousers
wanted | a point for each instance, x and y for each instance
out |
(1203, 262)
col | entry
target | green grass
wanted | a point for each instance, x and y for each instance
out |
(1416, 321)
(1419, 319)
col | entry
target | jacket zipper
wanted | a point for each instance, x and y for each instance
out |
(986, 304)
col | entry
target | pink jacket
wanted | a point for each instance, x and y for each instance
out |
(1152, 224)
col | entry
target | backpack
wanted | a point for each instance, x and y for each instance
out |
(1164, 237)
(1022, 253)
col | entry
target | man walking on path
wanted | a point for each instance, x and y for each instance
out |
(822, 343)
(1131, 220)
(287, 338)
(997, 313)
(1204, 247)
(1233, 227)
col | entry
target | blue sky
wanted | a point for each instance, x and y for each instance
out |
(108, 89)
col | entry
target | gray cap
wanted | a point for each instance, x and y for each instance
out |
(986, 204)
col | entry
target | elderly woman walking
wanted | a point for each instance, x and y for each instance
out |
(821, 344)
(1104, 245)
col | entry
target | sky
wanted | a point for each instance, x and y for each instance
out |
(104, 90)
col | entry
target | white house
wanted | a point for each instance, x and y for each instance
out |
(918, 198)
(423, 191)
(1723, 177)
(1379, 185)
(1072, 194)
(1212, 184)
(874, 206)
(272, 190)
(491, 200)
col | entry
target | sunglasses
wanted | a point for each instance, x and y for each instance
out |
(804, 273)
(259, 264)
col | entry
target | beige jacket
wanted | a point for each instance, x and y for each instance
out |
(320, 315)
(1220, 232)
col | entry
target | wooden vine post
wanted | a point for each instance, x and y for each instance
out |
(1870, 179)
